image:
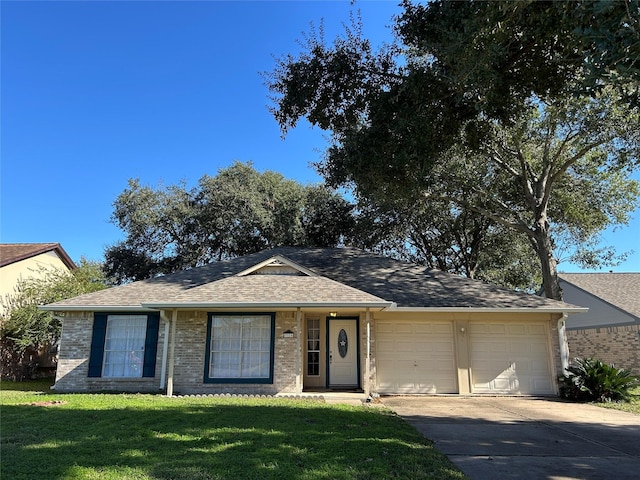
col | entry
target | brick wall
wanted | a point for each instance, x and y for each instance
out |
(73, 357)
(190, 351)
(617, 345)
(73, 360)
(556, 357)
(190, 354)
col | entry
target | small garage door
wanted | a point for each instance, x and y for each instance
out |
(415, 357)
(510, 358)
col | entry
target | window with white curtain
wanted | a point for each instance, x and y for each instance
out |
(240, 347)
(124, 346)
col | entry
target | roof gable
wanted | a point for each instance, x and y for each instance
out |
(277, 265)
(15, 252)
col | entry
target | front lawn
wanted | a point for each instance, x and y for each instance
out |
(107, 436)
(633, 406)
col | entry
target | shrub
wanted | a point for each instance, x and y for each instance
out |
(27, 334)
(593, 380)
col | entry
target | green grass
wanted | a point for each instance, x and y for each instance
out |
(633, 406)
(126, 436)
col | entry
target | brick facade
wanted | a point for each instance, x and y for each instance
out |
(73, 361)
(618, 345)
(190, 351)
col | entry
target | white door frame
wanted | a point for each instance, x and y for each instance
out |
(356, 321)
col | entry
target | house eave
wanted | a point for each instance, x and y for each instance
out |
(569, 310)
(267, 305)
(386, 306)
(95, 308)
(604, 325)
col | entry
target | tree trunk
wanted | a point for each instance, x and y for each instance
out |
(548, 264)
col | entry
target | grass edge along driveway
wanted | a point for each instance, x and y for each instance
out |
(137, 436)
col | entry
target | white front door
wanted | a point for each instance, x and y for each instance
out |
(342, 350)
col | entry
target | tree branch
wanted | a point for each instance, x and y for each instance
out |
(581, 153)
(518, 226)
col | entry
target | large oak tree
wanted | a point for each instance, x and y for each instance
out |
(524, 112)
(236, 212)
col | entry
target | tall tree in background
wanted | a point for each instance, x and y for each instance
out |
(237, 212)
(441, 235)
(541, 97)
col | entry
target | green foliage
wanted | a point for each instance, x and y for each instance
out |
(26, 326)
(237, 212)
(27, 333)
(632, 406)
(497, 55)
(523, 112)
(593, 380)
(149, 437)
(439, 234)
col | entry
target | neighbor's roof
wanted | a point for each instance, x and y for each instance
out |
(15, 252)
(622, 290)
(344, 275)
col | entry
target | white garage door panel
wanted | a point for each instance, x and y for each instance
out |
(510, 358)
(415, 357)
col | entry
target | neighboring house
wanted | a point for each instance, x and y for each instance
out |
(610, 331)
(20, 261)
(291, 320)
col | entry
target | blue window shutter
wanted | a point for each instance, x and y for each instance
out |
(97, 344)
(151, 345)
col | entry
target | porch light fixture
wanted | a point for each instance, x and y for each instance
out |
(333, 314)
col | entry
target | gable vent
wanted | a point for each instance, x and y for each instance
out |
(277, 268)
(278, 265)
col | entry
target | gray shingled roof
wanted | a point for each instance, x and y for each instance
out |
(350, 274)
(622, 290)
(282, 289)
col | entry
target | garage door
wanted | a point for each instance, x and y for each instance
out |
(415, 357)
(511, 358)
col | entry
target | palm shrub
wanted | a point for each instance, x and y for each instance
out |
(591, 380)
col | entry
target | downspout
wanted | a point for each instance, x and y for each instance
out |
(165, 349)
(172, 348)
(367, 364)
(299, 351)
(564, 345)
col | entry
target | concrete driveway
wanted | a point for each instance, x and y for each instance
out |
(527, 438)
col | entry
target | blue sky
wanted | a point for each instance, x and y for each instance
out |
(95, 93)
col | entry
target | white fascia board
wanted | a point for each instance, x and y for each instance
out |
(95, 308)
(570, 310)
(268, 305)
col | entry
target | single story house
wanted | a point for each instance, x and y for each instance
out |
(293, 320)
(610, 331)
